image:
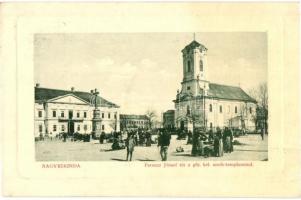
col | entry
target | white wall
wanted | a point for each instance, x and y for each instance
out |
(48, 120)
(217, 118)
(39, 120)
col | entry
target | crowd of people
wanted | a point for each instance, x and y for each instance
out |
(134, 137)
(204, 143)
(209, 143)
(140, 137)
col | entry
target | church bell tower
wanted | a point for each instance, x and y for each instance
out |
(194, 69)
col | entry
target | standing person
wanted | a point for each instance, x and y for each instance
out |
(216, 145)
(130, 145)
(203, 138)
(189, 140)
(262, 133)
(135, 136)
(220, 142)
(41, 137)
(64, 136)
(164, 142)
(102, 137)
(148, 139)
(231, 140)
(195, 144)
(227, 140)
(243, 131)
(211, 136)
(140, 138)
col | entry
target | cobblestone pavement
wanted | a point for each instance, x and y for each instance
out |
(252, 148)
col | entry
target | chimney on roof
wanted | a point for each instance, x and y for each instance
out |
(92, 91)
(37, 85)
(72, 89)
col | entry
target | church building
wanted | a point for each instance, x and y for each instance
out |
(203, 104)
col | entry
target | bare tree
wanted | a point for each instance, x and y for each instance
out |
(243, 113)
(151, 116)
(113, 125)
(260, 94)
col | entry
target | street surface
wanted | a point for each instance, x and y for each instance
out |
(251, 148)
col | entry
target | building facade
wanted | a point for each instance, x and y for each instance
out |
(58, 111)
(130, 122)
(169, 119)
(201, 103)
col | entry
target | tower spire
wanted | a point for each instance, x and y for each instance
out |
(193, 36)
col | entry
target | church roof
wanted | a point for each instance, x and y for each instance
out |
(45, 94)
(194, 44)
(228, 92)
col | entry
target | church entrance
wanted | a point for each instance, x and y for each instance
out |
(182, 125)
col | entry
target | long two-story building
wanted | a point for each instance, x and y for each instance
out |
(133, 122)
(70, 111)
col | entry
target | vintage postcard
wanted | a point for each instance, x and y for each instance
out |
(151, 99)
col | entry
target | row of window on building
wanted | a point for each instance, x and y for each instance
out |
(136, 122)
(221, 109)
(109, 115)
(63, 127)
(62, 115)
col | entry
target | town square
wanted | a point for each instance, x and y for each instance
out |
(201, 120)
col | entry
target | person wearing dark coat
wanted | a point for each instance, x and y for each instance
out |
(227, 140)
(219, 151)
(189, 140)
(201, 146)
(262, 133)
(102, 137)
(231, 140)
(211, 136)
(195, 144)
(216, 146)
(64, 136)
(41, 137)
(164, 142)
(130, 145)
(148, 139)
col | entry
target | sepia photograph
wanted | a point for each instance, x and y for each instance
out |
(151, 96)
(151, 99)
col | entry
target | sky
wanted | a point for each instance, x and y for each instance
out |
(141, 71)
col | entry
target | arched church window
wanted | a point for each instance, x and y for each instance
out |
(220, 109)
(188, 66)
(210, 107)
(235, 109)
(201, 65)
